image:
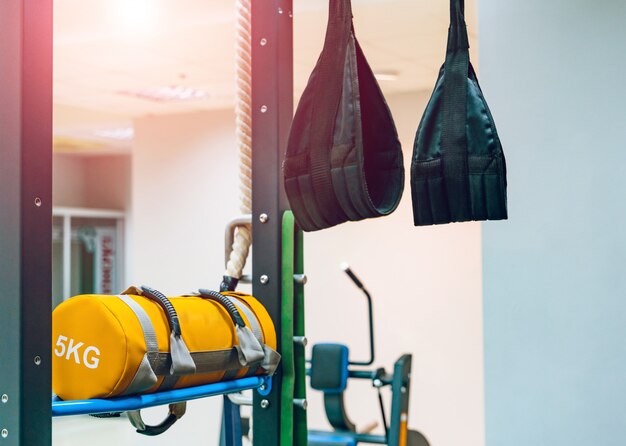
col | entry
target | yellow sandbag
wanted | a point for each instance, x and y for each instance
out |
(106, 346)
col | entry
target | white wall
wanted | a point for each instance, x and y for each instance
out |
(555, 282)
(98, 181)
(108, 181)
(184, 189)
(426, 285)
(68, 179)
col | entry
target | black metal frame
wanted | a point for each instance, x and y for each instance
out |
(272, 111)
(25, 221)
(370, 314)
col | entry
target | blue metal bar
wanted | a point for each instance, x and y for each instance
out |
(337, 436)
(62, 408)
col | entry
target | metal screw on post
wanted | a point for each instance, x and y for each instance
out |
(5, 398)
(265, 404)
(300, 279)
(38, 201)
(264, 279)
(37, 360)
(263, 218)
(262, 387)
(301, 403)
(263, 41)
(280, 10)
(5, 433)
(263, 108)
(300, 340)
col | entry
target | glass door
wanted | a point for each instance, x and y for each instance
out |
(87, 252)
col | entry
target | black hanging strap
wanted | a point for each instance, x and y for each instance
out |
(336, 168)
(324, 109)
(458, 171)
(453, 134)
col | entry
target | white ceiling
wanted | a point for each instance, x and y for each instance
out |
(102, 47)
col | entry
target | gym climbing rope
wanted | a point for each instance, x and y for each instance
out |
(242, 239)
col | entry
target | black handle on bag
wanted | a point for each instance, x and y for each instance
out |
(164, 302)
(158, 429)
(339, 10)
(457, 35)
(176, 411)
(226, 303)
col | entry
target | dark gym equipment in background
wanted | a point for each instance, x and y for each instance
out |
(330, 370)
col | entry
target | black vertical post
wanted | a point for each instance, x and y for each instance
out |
(25, 221)
(272, 110)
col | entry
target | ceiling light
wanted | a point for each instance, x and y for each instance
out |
(167, 94)
(135, 18)
(386, 75)
(120, 134)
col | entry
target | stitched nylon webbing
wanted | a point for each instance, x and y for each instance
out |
(256, 329)
(206, 362)
(149, 334)
(326, 171)
(255, 326)
(453, 133)
(324, 108)
(145, 376)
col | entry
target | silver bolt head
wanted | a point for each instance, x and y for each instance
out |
(263, 218)
(5, 398)
(300, 279)
(265, 404)
(301, 340)
(264, 279)
(263, 108)
(302, 403)
(4, 433)
(263, 41)
(262, 387)
(403, 389)
(38, 201)
(37, 360)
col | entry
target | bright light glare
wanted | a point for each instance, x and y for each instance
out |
(165, 94)
(136, 17)
(121, 134)
(386, 76)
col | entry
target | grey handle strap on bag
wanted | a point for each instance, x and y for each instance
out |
(181, 362)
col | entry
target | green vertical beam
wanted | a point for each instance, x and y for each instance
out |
(300, 419)
(287, 323)
(293, 429)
